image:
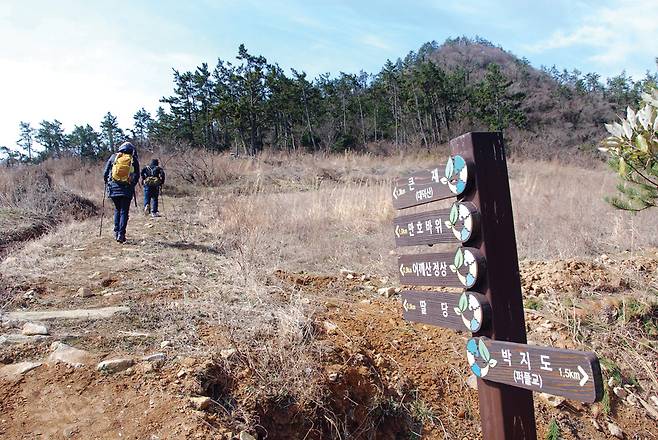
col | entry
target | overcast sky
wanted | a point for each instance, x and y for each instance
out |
(76, 60)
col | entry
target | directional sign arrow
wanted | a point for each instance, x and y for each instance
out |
(405, 306)
(402, 271)
(395, 193)
(585, 378)
(397, 231)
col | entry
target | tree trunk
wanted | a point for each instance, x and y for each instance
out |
(375, 123)
(395, 118)
(363, 123)
(308, 121)
(344, 116)
(420, 120)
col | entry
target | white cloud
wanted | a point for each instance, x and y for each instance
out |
(617, 36)
(308, 22)
(375, 41)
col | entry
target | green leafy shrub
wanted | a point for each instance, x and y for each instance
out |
(553, 431)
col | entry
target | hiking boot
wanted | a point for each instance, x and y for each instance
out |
(147, 209)
(121, 238)
(155, 214)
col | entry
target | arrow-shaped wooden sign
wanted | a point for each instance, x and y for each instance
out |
(467, 311)
(569, 373)
(438, 183)
(447, 269)
(456, 224)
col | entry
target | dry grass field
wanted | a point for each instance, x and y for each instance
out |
(242, 275)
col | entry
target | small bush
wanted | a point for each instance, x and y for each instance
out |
(199, 167)
(533, 303)
(32, 190)
(553, 431)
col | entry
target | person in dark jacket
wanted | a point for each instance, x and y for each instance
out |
(153, 177)
(122, 192)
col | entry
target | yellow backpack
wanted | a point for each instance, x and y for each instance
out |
(122, 168)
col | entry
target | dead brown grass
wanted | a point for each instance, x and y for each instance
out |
(559, 212)
(326, 224)
(202, 276)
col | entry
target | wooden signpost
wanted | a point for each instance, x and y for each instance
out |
(480, 224)
(448, 269)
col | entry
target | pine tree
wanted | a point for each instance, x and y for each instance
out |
(26, 138)
(593, 83)
(85, 141)
(142, 127)
(389, 79)
(10, 157)
(251, 102)
(223, 112)
(183, 107)
(111, 134)
(283, 108)
(51, 136)
(495, 104)
(163, 128)
(205, 98)
(622, 91)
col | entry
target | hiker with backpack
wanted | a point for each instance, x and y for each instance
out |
(153, 177)
(121, 176)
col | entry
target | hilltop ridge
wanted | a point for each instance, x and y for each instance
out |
(565, 110)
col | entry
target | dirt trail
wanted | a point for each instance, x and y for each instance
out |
(164, 268)
(55, 401)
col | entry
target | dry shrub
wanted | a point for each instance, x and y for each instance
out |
(280, 350)
(74, 174)
(31, 189)
(273, 172)
(320, 230)
(17, 183)
(31, 204)
(618, 327)
(204, 168)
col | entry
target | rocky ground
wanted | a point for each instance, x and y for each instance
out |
(161, 339)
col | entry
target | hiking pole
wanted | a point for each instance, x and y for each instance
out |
(161, 196)
(100, 230)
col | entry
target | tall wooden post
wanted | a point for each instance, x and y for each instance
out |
(506, 411)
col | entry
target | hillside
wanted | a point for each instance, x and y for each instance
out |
(564, 112)
(266, 305)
